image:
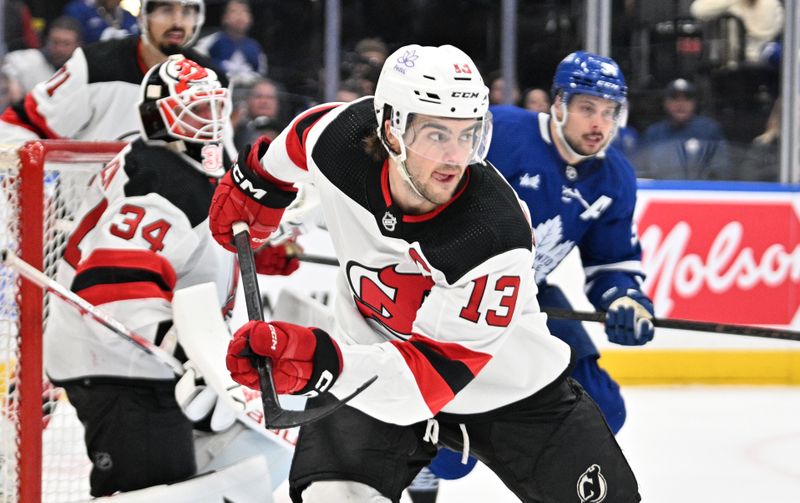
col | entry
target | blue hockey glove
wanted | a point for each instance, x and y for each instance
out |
(629, 319)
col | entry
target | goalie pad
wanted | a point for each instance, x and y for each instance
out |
(245, 482)
(204, 336)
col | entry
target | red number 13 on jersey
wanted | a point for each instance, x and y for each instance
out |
(509, 285)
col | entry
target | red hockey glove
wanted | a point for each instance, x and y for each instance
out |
(244, 195)
(278, 260)
(304, 360)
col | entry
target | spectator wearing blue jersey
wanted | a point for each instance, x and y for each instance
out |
(684, 145)
(581, 193)
(241, 57)
(102, 19)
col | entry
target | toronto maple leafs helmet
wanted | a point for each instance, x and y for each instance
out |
(585, 73)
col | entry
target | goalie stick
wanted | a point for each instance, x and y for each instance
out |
(275, 415)
(37, 277)
(600, 317)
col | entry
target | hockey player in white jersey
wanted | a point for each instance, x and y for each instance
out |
(581, 194)
(92, 96)
(435, 296)
(142, 234)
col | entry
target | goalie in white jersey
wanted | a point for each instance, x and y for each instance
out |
(435, 296)
(142, 234)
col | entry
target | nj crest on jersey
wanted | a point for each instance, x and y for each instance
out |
(389, 297)
(592, 485)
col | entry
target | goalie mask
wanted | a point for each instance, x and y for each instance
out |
(437, 105)
(585, 73)
(194, 9)
(185, 105)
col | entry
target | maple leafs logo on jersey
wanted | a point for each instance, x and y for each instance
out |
(532, 182)
(389, 297)
(550, 249)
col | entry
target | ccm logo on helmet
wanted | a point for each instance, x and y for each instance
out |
(464, 94)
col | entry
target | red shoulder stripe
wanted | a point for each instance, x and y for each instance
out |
(12, 117)
(296, 139)
(31, 108)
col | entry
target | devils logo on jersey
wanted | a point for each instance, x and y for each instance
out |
(592, 486)
(387, 296)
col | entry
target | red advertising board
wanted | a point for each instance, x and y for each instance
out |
(728, 257)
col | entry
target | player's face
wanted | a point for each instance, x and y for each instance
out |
(590, 123)
(438, 151)
(170, 25)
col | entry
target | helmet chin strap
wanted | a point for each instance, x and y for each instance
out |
(563, 139)
(400, 159)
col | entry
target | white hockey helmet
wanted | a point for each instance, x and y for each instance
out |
(182, 100)
(148, 6)
(439, 82)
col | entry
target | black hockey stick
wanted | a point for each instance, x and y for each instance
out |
(318, 259)
(698, 326)
(275, 416)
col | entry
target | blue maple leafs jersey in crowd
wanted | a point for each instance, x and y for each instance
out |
(589, 205)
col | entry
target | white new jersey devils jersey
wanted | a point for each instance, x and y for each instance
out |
(93, 97)
(142, 232)
(440, 306)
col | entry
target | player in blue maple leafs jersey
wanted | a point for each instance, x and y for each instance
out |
(581, 193)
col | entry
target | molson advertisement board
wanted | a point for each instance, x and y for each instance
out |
(727, 253)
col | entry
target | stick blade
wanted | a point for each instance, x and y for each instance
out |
(284, 418)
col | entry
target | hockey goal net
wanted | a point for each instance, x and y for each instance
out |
(42, 455)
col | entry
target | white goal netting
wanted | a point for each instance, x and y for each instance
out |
(42, 454)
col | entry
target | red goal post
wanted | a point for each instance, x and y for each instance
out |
(43, 183)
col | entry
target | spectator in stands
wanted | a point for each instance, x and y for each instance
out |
(350, 90)
(264, 99)
(25, 68)
(102, 19)
(626, 140)
(254, 129)
(241, 57)
(4, 98)
(771, 57)
(363, 65)
(496, 84)
(262, 110)
(536, 100)
(762, 20)
(684, 145)
(18, 29)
